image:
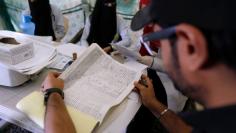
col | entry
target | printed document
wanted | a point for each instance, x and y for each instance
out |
(96, 82)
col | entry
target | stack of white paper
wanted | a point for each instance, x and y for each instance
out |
(43, 54)
(14, 54)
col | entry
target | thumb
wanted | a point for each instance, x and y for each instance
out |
(139, 87)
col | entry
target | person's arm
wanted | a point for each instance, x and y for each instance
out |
(172, 122)
(154, 63)
(83, 41)
(57, 119)
(123, 30)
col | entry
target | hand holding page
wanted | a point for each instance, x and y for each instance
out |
(127, 52)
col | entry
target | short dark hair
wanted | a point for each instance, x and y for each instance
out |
(221, 47)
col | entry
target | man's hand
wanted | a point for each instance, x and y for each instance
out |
(146, 60)
(146, 91)
(108, 49)
(52, 81)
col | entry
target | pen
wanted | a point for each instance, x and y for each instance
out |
(74, 55)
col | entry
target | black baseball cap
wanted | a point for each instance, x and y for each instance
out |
(207, 14)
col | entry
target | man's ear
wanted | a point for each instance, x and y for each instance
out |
(192, 47)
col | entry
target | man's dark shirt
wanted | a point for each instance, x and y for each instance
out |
(218, 120)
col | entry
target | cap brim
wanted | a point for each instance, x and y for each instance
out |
(141, 18)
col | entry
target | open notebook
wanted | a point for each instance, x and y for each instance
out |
(93, 85)
(33, 106)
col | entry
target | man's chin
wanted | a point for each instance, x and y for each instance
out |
(178, 86)
(180, 89)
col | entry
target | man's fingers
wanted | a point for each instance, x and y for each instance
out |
(56, 74)
(139, 86)
(144, 76)
(149, 83)
(135, 89)
(60, 79)
(148, 80)
(53, 74)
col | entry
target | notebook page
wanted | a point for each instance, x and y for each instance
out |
(33, 106)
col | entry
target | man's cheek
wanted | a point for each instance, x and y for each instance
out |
(165, 58)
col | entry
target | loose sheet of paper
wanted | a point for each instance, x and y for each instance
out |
(60, 62)
(127, 52)
(96, 82)
(68, 49)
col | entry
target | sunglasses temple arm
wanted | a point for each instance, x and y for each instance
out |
(166, 33)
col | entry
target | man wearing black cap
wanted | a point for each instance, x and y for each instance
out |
(198, 42)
